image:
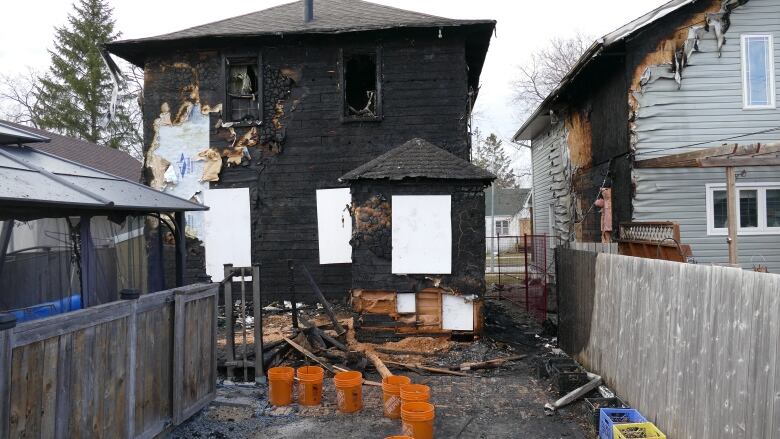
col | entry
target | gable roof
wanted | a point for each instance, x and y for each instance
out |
(418, 158)
(540, 118)
(508, 201)
(102, 158)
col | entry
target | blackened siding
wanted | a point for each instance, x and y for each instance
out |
(372, 246)
(425, 94)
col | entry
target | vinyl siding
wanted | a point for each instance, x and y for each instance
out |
(708, 107)
(546, 153)
(706, 110)
(680, 195)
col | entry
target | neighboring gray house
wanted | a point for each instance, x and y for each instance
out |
(688, 76)
(510, 217)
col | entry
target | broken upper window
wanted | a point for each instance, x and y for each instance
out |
(243, 89)
(361, 85)
(758, 71)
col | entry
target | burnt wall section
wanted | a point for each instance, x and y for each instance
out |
(597, 140)
(372, 235)
(303, 144)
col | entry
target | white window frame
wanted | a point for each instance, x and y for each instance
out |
(745, 98)
(499, 228)
(762, 228)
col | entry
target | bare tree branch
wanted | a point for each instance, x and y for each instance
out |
(547, 67)
(17, 97)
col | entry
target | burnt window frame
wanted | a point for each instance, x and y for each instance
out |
(344, 53)
(242, 58)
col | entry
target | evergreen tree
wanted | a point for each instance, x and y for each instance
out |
(488, 153)
(73, 97)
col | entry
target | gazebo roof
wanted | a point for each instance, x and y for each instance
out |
(37, 184)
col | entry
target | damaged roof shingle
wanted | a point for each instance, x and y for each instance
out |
(418, 158)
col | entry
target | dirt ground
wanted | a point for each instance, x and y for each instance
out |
(500, 403)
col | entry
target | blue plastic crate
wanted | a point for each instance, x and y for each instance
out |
(609, 417)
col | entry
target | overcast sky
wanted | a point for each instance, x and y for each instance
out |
(523, 27)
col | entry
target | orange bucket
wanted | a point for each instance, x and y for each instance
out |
(280, 385)
(415, 393)
(310, 385)
(349, 391)
(399, 437)
(417, 419)
(391, 389)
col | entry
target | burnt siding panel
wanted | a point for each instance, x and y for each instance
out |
(425, 94)
(707, 108)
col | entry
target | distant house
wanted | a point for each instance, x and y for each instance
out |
(510, 217)
(641, 109)
(102, 158)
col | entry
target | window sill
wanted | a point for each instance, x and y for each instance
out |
(242, 124)
(758, 108)
(724, 232)
(356, 119)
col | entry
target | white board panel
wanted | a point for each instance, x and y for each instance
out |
(406, 303)
(422, 234)
(457, 313)
(334, 226)
(227, 230)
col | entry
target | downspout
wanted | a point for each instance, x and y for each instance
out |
(493, 226)
(5, 239)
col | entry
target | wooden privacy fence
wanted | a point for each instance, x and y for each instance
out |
(127, 369)
(693, 347)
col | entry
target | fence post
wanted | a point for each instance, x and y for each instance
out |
(230, 331)
(525, 281)
(7, 325)
(132, 344)
(291, 286)
(178, 357)
(257, 305)
(497, 252)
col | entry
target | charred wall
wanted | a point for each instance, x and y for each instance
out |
(598, 142)
(303, 143)
(372, 244)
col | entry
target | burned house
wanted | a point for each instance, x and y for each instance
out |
(418, 237)
(635, 116)
(258, 116)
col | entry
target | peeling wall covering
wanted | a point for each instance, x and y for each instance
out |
(552, 184)
(371, 265)
(706, 109)
(704, 31)
(580, 138)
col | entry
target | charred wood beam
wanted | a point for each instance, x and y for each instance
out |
(325, 304)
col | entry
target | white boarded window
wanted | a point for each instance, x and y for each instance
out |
(334, 226)
(227, 229)
(422, 234)
(758, 71)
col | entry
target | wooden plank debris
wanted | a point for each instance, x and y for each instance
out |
(325, 304)
(490, 364)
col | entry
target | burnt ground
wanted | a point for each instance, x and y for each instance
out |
(499, 403)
